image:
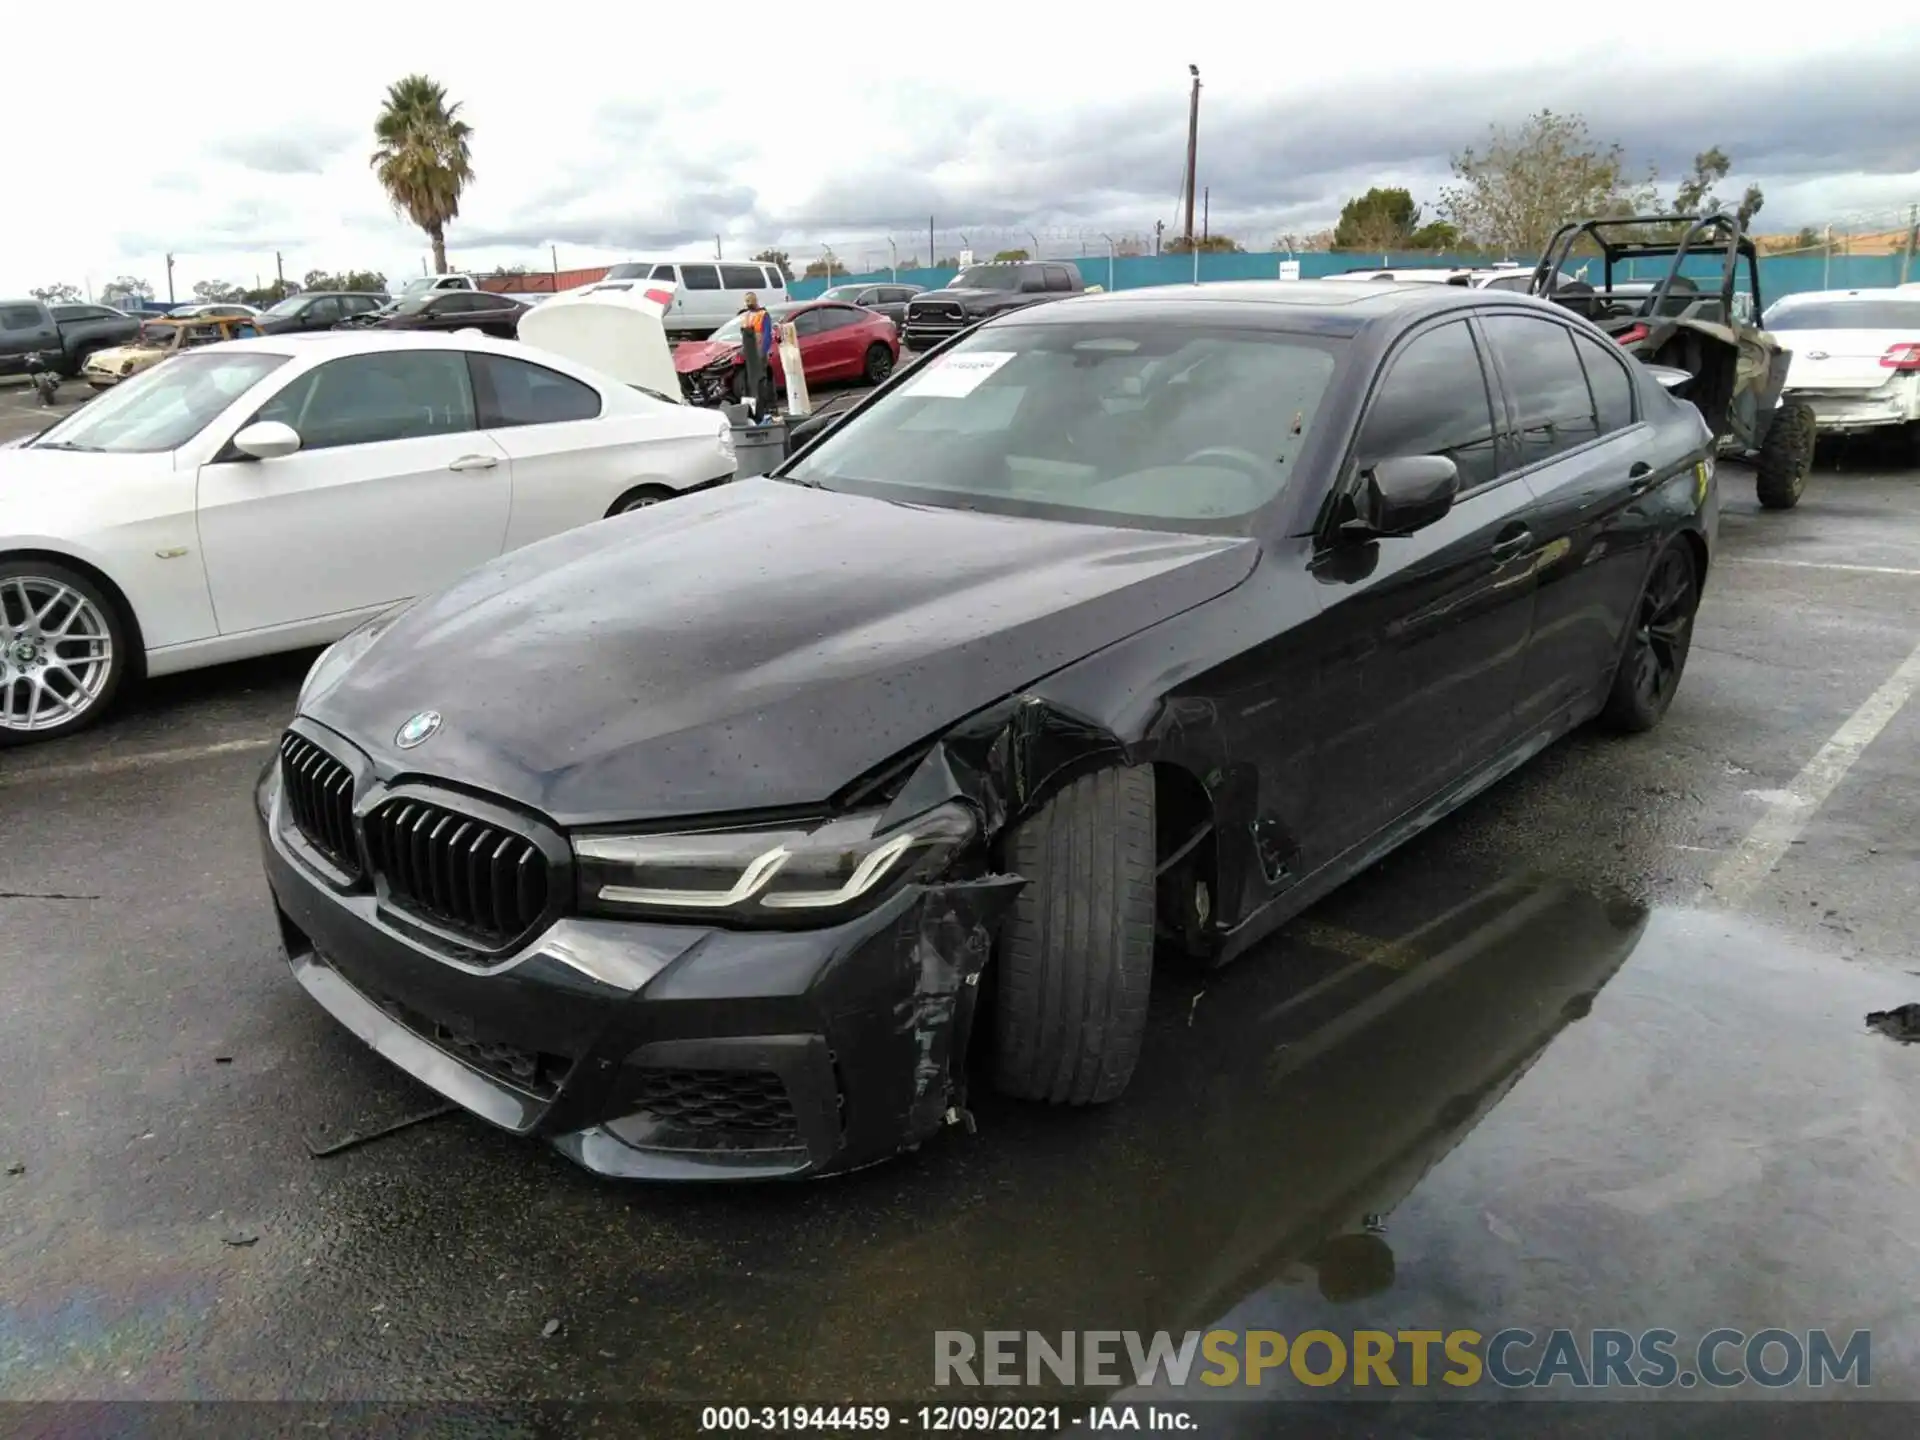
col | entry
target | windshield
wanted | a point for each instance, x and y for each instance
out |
(987, 277)
(842, 292)
(412, 305)
(292, 305)
(162, 408)
(1846, 315)
(629, 270)
(418, 285)
(160, 335)
(1180, 426)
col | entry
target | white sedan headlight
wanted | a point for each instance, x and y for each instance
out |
(801, 874)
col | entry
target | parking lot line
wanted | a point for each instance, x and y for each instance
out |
(1819, 565)
(119, 764)
(1789, 811)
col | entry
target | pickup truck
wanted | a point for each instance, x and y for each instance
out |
(981, 291)
(64, 334)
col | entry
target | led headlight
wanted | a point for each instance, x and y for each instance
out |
(803, 874)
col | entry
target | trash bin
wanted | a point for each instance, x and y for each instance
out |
(758, 448)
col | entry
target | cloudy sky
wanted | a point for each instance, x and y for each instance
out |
(603, 130)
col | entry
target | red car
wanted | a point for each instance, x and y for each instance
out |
(837, 342)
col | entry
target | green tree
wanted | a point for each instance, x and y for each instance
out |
(1381, 219)
(61, 294)
(271, 293)
(1435, 235)
(1205, 244)
(215, 292)
(1011, 255)
(423, 158)
(1527, 182)
(779, 258)
(1695, 196)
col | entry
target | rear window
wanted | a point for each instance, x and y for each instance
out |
(1165, 426)
(1845, 315)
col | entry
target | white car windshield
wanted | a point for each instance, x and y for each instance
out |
(1143, 422)
(165, 407)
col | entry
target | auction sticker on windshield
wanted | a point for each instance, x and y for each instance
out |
(952, 376)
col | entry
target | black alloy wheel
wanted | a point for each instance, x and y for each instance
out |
(1656, 654)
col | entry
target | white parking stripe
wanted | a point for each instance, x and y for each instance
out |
(119, 764)
(1789, 810)
(1818, 565)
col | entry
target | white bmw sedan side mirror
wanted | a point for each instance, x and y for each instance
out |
(267, 440)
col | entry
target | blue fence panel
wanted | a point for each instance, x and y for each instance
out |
(1779, 275)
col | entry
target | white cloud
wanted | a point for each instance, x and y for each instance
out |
(602, 128)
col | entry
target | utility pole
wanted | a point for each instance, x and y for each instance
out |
(1159, 229)
(1206, 210)
(932, 259)
(1913, 228)
(553, 257)
(1826, 261)
(716, 249)
(280, 270)
(169, 279)
(1193, 144)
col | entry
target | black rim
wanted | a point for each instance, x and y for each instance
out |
(1665, 623)
(879, 363)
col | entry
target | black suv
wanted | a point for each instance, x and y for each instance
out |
(981, 291)
(319, 310)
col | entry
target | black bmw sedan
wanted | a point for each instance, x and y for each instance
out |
(729, 838)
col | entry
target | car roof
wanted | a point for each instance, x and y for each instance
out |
(1330, 306)
(332, 343)
(1831, 297)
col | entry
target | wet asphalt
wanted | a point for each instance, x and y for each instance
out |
(1533, 1069)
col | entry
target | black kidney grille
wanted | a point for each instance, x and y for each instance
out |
(458, 871)
(752, 1101)
(319, 794)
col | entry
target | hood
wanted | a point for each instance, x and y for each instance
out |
(114, 354)
(758, 645)
(969, 296)
(695, 355)
(47, 491)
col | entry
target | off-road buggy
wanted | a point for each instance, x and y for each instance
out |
(1700, 324)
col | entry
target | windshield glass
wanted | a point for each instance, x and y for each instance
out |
(842, 292)
(1846, 315)
(292, 305)
(1179, 426)
(162, 408)
(418, 285)
(987, 277)
(628, 270)
(412, 305)
(160, 335)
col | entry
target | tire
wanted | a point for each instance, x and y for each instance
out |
(64, 668)
(1785, 457)
(879, 364)
(1076, 953)
(640, 499)
(1651, 666)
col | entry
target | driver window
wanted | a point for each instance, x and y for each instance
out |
(367, 399)
(1433, 401)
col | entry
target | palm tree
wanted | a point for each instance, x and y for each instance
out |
(422, 157)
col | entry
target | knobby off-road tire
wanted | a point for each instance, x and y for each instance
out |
(1786, 455)
(1076, 953)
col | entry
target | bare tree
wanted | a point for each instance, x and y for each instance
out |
(1527, 182)
(60, 294)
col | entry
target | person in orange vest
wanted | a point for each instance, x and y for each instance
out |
(757, 341)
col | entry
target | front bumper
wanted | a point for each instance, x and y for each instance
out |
(660, 1051)
(1839, 411)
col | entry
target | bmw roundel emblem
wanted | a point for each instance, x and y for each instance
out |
(418, 730)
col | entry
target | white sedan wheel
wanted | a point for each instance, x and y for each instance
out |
(61, 656)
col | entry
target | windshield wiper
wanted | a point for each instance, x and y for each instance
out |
(65, 445)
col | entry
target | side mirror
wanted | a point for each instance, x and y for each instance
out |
(1403, 494)
(267, 440)
(811, 429)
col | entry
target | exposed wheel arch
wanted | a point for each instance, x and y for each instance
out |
(638, 496)
(137, 667)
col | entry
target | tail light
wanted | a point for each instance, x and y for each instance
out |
(1633, 336)
(1902, 357)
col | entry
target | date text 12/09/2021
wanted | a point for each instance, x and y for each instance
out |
(944, 1419)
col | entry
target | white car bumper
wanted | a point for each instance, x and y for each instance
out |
(1895, 403)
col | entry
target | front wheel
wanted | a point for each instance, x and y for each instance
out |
(64, 651)
(879, 364)
(640, 499)
(1785, 456)
(1656, 653)
(1076, 953)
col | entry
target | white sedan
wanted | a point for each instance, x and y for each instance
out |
(271, 494)
(1855, 357)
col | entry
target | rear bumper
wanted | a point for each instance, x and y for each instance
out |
(1844, 410)
(664, 1052)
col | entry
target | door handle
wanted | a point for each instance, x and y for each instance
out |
(474, 462)
(1640, 478)
(1512, 545)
